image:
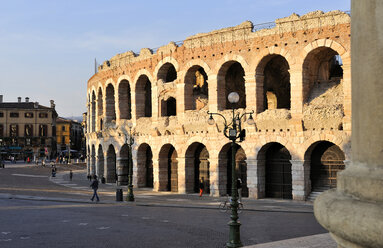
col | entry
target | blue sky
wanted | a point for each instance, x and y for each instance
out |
(48, 47)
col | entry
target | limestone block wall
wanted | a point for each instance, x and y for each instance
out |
(310, 49)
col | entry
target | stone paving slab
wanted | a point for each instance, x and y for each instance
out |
(314, 241)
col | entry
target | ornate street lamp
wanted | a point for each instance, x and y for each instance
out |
(233, 131)
(130, 196)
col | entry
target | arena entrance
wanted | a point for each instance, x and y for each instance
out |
(168, 166)
(197, 167)
(326, 161)
(278, 172)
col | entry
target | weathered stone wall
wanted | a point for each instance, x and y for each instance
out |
(316, 113)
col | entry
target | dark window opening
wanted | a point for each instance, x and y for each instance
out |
(14, 115)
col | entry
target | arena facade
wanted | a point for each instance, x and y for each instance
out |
(295, 73)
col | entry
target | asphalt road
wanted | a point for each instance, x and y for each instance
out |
(26, 223)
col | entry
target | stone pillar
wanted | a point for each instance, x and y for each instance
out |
(298, 171)
(213, 93)
(156, 174)
(252, 178)
(122, 170)
(214, 177)
(353, 213)
(347, 93)
(88, 164)
(181, 175)
(250, 85)
(92, 165)
(100, 166)
(296, 91)
(155, 104)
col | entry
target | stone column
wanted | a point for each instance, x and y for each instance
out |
(353, 213)
(250, 85)
(213, 93)
(181, 175)
(214, 177)
(252, 178)
(156, 175)
(88, 164)
(298, 171)
(92, 165)
(100, 166)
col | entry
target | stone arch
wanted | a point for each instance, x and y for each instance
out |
(169, 107)
(100, 162)
(111, 169)
(225, 169)
(93, 161)
(167, 73)
(274, 171)
(168, 169)
(160, 64)
(143, 96)
(110, 114)
(144, 166)
(197, 167)
(273, 83)
(93, 112)
(123, 165)
(125, 99)
(196, 90)
(231, 78)
(324, 160)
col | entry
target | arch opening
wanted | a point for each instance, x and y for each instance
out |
(93, 161)
(196, 89)
(123, 165)
(326, 161)
(145, 166)
(231, 79)
(168, 169)
(197, 168)
(225, 169)
(169, 107)
(111, 170)
(110, 104)
(100, 162)
(143, 97)
(125, 102)
(167, 73)
(100, 109)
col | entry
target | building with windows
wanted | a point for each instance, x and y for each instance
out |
(27, 129)
(294, 73)
(69, 133)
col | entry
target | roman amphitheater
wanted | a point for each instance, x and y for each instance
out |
(294, 73)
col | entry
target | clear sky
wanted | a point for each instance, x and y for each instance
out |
(48, 47)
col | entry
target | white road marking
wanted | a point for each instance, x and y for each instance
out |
(5, 233)
(165, 221)
(5, 240)
(65, 221)
(145, 218)
(83, 224)
(125, 215)
(69, 184)
(26, 175)
(25, 237)
(103, 227)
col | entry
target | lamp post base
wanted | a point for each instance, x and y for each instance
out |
(234, 234)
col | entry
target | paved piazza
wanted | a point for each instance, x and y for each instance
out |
(37, 211)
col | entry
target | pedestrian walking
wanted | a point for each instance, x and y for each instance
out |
(70, 175)
(94, 186)
(89, 177)
(201, 186)
(54, 172)
(239, 187)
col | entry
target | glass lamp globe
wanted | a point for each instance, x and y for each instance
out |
(233, 97)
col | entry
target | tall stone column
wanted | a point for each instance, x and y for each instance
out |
(181, 175)
(213, 94)
(92, 165)
(88, 164)
(214, 177)
(251, 102)
(100, 166)
(353, 213)
(299, 179)
(252, 178)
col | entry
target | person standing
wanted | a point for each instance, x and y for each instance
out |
(70, 175)
(201, 186)
(94, 186)
(239, 187)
